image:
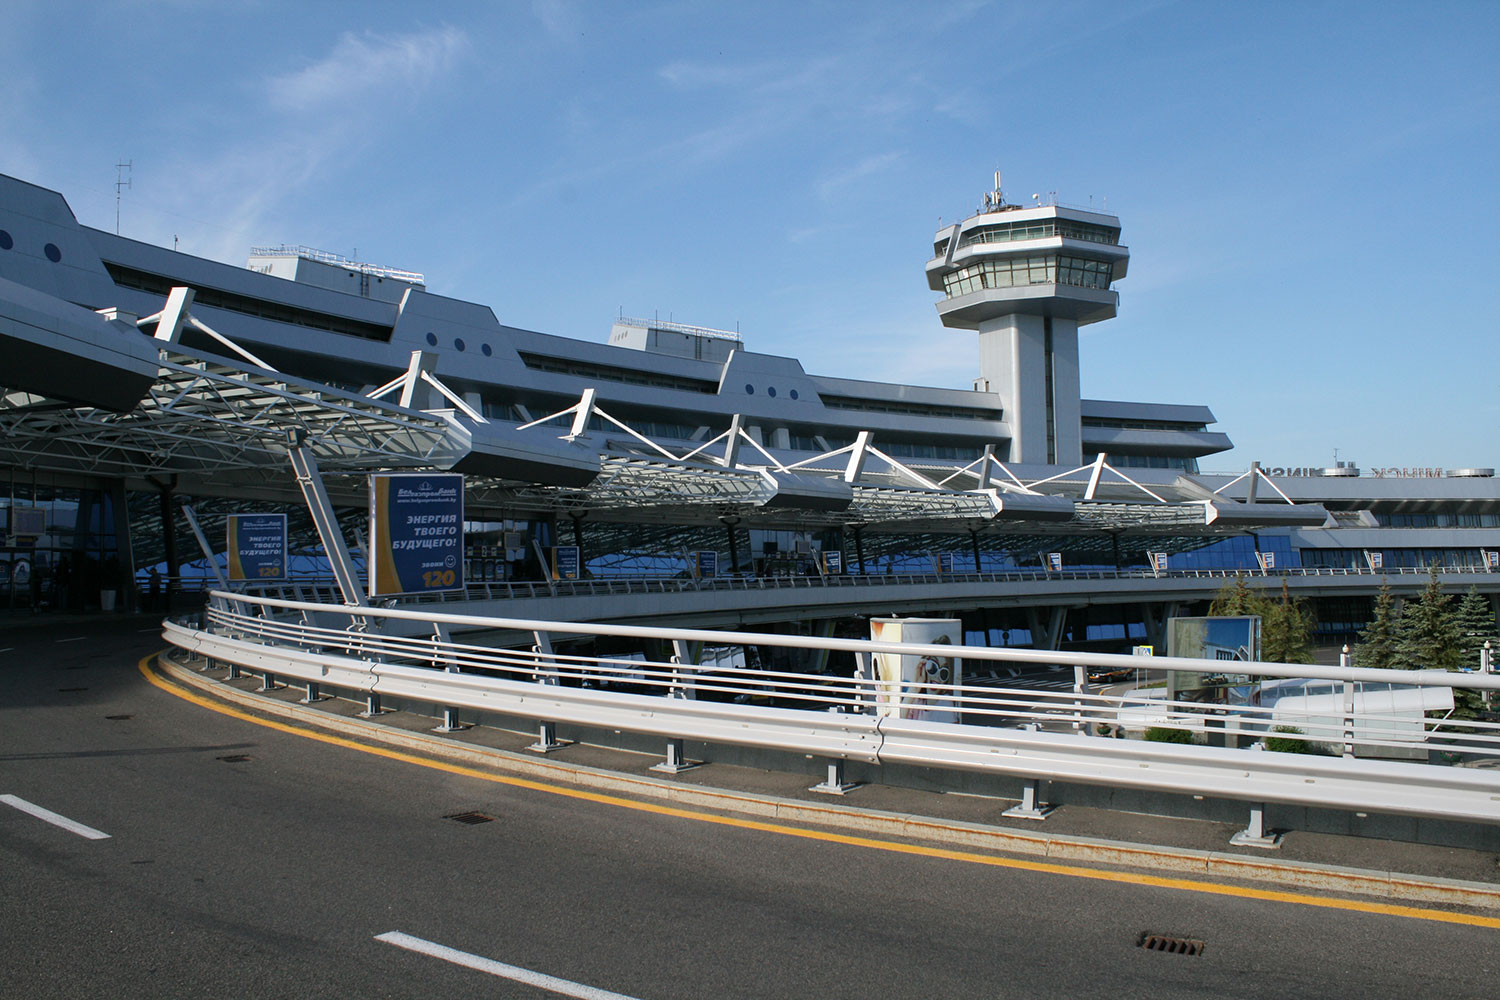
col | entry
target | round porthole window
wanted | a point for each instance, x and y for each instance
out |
(749, 389)
(458, 342)
(793, 394)
(53, 254)
(486, 349)
(771, 391)
(432, 340)
(5, 241)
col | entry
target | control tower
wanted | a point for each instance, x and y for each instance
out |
(1026, 277)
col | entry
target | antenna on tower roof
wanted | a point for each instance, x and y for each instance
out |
(122, 181)
(996, 198)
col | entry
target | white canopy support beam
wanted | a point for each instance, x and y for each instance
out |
(310, 480)
(581, 414)
(858, 452)
(208, 551)
(177, 313)
(1093, 487)
(911, 474)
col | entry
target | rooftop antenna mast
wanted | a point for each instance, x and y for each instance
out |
(995, 198)
(121, 183)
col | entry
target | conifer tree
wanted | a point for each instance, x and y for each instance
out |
(1476, 626)
(1377, 643)
(1286, 630)
(1428, 638)
(1475, 623)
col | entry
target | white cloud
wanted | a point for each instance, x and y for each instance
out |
(359, 65)
(832, 186)
(558, 17)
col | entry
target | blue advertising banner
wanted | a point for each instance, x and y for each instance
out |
(565, 559)
(416, 533)
(708, 564)
(833, 562)
(255, 545)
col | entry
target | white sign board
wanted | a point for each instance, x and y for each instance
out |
(913, 686)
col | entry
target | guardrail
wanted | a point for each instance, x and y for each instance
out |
(1025, 733)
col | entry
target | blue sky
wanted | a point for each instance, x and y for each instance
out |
(1308, 190)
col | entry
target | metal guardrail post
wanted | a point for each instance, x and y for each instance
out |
(835, 784)
(676, 761)
(268, 682)
(1348, 706)
(546, 731)
(1255, 833)
(864, 679)
(441, 636)
(1031, 806)
(1080, 685)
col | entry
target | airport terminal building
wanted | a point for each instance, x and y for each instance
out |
(136, 378)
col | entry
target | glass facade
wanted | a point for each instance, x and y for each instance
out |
(1037, 229)
(1439, 520)
(57, 548)
(1127, 461)
(1021, 271)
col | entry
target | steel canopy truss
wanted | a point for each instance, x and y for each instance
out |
(209, 417)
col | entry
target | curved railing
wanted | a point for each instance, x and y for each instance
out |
(1025, 733)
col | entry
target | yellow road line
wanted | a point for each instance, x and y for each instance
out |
(1073, 871)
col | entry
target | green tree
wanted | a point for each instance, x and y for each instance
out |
(1377, 643)
(1428, 637)
(1476, 626)
(1237, 599)
(1475, 623)
(1285, 625)
(1286, 630)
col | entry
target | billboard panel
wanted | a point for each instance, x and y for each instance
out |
(706, 563)
(566, 562)
(1227, 638)
(917, 687)
(255, 546)
(416, 533)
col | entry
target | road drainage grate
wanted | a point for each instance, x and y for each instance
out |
(470, 818)
(1170, 945)
(235, 758)
(118, 718)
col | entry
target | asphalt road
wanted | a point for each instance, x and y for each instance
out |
(242, 861)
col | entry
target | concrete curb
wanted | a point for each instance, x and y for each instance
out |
(1392, 886)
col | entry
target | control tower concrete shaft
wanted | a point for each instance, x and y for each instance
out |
(1026, 278)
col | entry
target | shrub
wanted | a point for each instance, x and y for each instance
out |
(1164, 734)
(1290, 743)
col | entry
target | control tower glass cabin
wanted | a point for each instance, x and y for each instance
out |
(1026, 278)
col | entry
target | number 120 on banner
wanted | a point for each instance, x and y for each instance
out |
(416, 533)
